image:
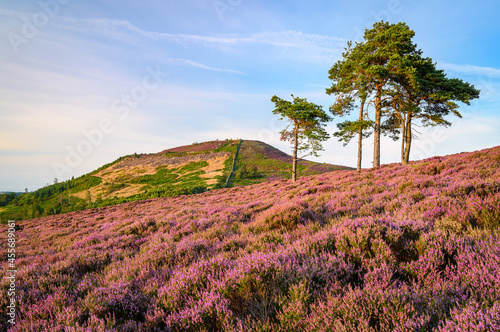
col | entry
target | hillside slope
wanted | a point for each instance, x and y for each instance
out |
(177, 171)
(272, 164)
(129, 178)
(396, 248)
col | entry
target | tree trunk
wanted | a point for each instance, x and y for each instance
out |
(376, 130)
(403, 140)
(360, 136)
(295, 149)
(406, 156)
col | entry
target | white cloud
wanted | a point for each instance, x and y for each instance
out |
(295, 44)
(286, 38)
(187, 62)
(470, 69)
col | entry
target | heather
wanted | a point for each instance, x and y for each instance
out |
(413, 248)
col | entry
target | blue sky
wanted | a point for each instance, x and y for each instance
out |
(85, 82)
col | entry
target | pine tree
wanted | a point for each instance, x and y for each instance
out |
(305, 130)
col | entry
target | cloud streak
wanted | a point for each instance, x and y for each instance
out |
(187, 62)
(295, 44)
(286, 38)
(471, 69)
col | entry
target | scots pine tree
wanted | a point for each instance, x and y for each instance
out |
(374, 62)
(305, 130)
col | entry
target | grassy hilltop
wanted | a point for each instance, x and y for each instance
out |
(413, 248)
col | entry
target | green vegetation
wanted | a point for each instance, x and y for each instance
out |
(387, 70)
(250, 173)
(7, 198)
(60, 197)
(222, 179)
(264, 166)
(51, 199)
(232, 167)
(160, 177)
(171, 154)
(180, 178)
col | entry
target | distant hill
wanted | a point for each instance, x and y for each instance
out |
(181, 170)
(396, 248)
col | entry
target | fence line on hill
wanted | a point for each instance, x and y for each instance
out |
(234, 164)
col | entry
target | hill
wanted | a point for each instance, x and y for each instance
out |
(177, 171)
(413, 248)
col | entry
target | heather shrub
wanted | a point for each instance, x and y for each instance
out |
(437, 253)
(141, 227)
(257, 282)
(125, 302)
(60, 305)
(189, 250)
(288, 215)
(94, 323)
(233, 244)
(371, 242)
(88, 283)
(392, 249)
(294, 308)
(477, 268)
(358, 310)
(450, 225)
(159, 251)
(79, 265)
(474, 317)
(188, 283)
(393, 308)
(208, 313)
(322, 240)
(487, 214)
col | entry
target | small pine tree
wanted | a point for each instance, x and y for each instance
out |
(305, 130)
(254, 173)
(243, 172)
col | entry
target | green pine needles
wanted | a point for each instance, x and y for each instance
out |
(305, 130)
(387, 72)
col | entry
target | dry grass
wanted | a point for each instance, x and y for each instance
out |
(215, 168)
(128, 169)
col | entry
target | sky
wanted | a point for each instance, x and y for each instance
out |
(85, 82)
